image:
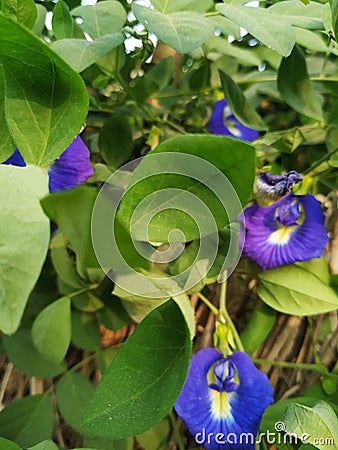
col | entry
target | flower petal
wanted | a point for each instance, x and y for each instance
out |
(71, 168)
(272, 244)
(230, 126)
(15, 160)
(220, 420)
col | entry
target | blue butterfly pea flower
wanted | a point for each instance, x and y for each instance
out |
(223, 122)
(290, 230)
(71, 169)
(223, 400)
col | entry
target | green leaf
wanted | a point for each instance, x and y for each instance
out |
(315, 425)
(23, 354)
(40, 20)
(170, 6)
(300, 15)
(218, 45)
(239, 105)
(271, 29)
(103, 18)
(258, 328)
(144, 379)
(284, 141)
(45, 445)
(295, 86)
(72, 210)
(28, 421)
(293, 290)
(313, 41)
(116, 140)
(51, 331)
(5, 444)
(107, 444)
(62, 21)
(80, 54)
(22, 11)
(183, 31)
(24, 239)
(7, 146)
(73, 391)
(334, 16)
(185, 157)
(156, 438)
(85, 331)
(46, 102)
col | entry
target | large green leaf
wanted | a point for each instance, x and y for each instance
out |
(51, 331)
(80, 54)
(108, 444)
(46, 102)
(45, 445)
(258, 328)
(156, 438)
(22, 353)
(7, 146)
(144, 379)
(103, 18)
(24, 239)
(317, 425)
(62, 21)
(5, 444)
(28, 421)
(23, 11)
(293, 290)
(295, 86)
(239, 105)
(71, 210)
(296, 13)
(73, 391)
(334, 16)
(169, 6)
(203, 182)
(183, 31)
(271, 29)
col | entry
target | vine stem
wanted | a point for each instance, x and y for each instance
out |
(320, 161)
(177, 433)
(301, 366)
(208, 303)
(224, 314)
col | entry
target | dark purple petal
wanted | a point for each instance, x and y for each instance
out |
(272, 187)
(291, 229)
(209, 413)
(15, 160)
(229, 126)
(71, 168)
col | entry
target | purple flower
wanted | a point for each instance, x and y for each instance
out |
(223, 400)
(272, 187)
(291, 229)
(223, 122)
(69, 170)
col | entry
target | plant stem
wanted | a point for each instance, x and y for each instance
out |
(300, 366)
(208, 303)
(176, 430)
(83, 362)
(224, 313)
(320, 161)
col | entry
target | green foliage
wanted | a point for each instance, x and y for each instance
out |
(320, 421)
(62, 21)
(52, 106)
(24, 355)
(45, 445)
(183, 31)
(73, 391)
(22, 11)
(154, 359)
(5, 444)
(22, 218)
(295, 290)
(51, 330)
(28, 421)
